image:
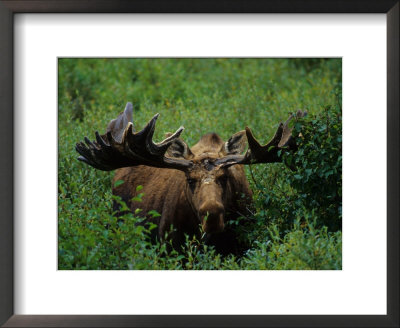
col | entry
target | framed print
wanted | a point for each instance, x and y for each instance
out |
(69, 68)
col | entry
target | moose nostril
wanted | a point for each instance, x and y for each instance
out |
(209, 208)
(213, 223)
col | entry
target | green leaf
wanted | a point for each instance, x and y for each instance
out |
(297, 127)
(154, 213)
(138, 198)
(118, 183)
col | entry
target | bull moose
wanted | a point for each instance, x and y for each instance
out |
(193, 188)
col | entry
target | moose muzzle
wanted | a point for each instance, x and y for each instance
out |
(212, 216)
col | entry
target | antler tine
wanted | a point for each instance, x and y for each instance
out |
(287, 140)
(172, 137)
(146, 135)
(164, 145)
(100, 140)
(282, 140)
(268, 153)
(263, 153)
(101, 156)
(128, 148)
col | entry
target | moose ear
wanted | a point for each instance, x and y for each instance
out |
(178, 149)
(118, 125)
(235, 145)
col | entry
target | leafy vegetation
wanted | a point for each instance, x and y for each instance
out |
(296, 220)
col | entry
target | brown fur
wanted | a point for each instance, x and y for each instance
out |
(213, 196)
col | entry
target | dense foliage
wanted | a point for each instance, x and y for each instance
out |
(296, 220)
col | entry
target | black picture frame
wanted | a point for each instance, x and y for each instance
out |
(7, 11)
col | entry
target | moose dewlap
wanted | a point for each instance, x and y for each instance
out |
(194, 189)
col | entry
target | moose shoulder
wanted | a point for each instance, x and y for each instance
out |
(202, 185)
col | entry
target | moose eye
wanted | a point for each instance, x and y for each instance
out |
(192, 184)
(222, 180)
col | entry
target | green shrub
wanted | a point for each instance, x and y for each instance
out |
(303, 248)
(318, 176)
(313, 187)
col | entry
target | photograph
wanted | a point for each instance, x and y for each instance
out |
(243, 170)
